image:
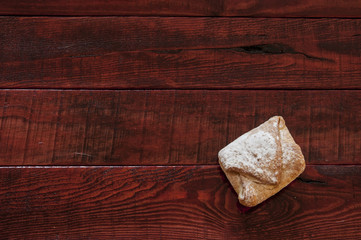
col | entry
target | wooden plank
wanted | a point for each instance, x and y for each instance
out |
(42, 127)
(184, 202)
(179, 53)
(270, 8)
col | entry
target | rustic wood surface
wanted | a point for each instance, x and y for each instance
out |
(112, 114)
(42, 127)
(269, 8)
(174, 203)
(179, 53)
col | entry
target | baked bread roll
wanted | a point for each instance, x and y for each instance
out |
(262, 161)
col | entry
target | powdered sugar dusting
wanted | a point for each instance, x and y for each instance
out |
(247, 189)
(287, 150)
(253, 153)
(261, 145)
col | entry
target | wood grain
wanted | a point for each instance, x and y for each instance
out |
(270, 8)
(174, 203)
(42, 127)
(179, 53)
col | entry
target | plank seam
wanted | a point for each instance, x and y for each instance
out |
(139, 166)
(171, 16)
(180, 89)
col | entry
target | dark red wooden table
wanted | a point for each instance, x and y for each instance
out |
(112, 114)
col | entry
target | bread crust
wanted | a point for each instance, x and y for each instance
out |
(262, 161)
